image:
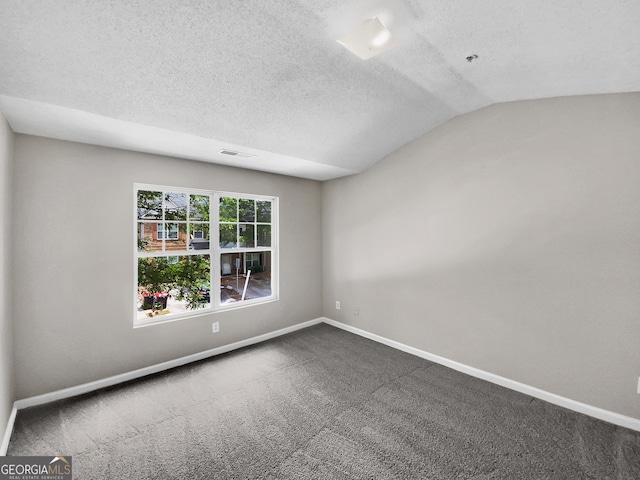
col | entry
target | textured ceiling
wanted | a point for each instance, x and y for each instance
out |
(268, 77)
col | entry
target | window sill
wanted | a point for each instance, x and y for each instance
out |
(169, 318)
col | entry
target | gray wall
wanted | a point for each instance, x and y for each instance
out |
(6, 355)
(507, 239)
(73, 279)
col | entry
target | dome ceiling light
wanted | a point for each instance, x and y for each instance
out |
(371, 38)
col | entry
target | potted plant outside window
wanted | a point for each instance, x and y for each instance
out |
(185, 280)
(155, 281)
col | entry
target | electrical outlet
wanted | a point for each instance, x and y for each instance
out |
(638, 384)
(215, 327)
(337, 305)
(356, 311)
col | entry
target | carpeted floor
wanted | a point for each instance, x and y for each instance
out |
(322, 403)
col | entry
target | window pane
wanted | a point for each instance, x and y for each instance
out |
(246, 235)
(228, 209)
(149, 205)
(199, 207)
(264, 211)
(228, 235)
(264, 235)
(199, 236)
(232, 282)
(147, 237)
(175, 205)
(246, 210)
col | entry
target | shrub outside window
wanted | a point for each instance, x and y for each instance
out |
(200, 251)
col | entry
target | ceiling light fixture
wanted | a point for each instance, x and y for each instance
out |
(371, 38)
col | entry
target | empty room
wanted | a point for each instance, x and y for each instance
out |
(320, 239)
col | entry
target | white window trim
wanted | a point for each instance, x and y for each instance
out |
(160, 229)
(214, 251)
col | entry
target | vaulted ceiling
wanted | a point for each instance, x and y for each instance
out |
(268, 78)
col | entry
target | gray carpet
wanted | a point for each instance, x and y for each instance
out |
(322, 403)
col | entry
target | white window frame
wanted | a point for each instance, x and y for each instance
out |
(214, 251)
(165, 234)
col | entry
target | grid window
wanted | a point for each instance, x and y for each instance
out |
(222, 252)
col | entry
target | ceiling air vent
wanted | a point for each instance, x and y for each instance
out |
(237, 154)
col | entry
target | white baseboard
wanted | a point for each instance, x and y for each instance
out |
(142, 372)
(606, 415)
(596, 412)
(7, 433)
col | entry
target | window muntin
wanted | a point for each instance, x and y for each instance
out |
(244, 223)
(215, 239)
